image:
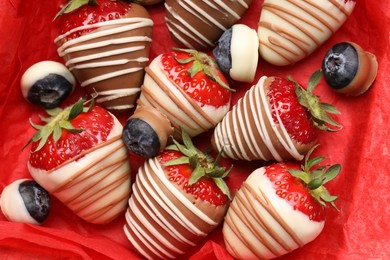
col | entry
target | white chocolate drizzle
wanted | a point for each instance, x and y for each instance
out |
(249, 132)
(70, 50)
(155, 197)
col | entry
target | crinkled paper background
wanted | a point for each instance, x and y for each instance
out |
(359, 231)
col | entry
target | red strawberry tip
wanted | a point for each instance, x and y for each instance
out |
(314, 177)
(202, 62)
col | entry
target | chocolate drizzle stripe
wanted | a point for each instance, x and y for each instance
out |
(81, 174)
(317, 15)
(201, 14)
(340, 6)
(264, 201)
(250, 205)
(141, 239)
(281, 12)
(149, 234)
(237, 231)
(157, 219)
(153, 101)
(274, 45)
(186, 29)
(109, 168)
(86, 197)
(179, 103)
(122, 178)
(108, 142)
(159, 213)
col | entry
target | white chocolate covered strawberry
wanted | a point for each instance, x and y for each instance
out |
(79, 157)
(278, 209)
(289, 31)
(106, 44)
(182, 90)
(199, 24)
(178, 198)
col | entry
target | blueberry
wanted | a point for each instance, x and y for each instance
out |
(140, 138)
(222, 52)
(36, 199)
(340, 65)
(47, 84)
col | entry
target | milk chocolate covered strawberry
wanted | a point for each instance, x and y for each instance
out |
(182, 90)
(278, 209)
(276, 119)
(79, 157)
(106, 45)
(199, 24)
(178, 198)
(289, 31)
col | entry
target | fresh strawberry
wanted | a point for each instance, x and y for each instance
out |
(178, 198)
(198, 75)
(278, 119)
(284, 208)
(79, 157)
(106, 44)
(183, 90)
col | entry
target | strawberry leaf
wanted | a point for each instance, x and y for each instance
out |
(76, 109)
(223, 187)
(197, 173)
(332, 172)
(177, 161)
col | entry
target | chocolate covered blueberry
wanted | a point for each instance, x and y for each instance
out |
(140, 138)
(47, 83)
(24, 200)
(236, 53)
(348, 69)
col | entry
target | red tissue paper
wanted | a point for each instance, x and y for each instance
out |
(359, 231)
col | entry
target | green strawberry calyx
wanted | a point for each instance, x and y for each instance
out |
(319, 111)
(202, 62)
(202, 164)
(58, 120)
(314, 177)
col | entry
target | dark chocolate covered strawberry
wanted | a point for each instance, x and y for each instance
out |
(277, 119)
(106, 44)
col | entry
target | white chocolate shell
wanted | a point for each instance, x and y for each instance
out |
(261, 225)
(289, 31)
(96, 186)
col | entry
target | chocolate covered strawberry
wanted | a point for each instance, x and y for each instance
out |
(289, 31)
(278, 209)
(276, 119)
(106, 44)
(178, 198)
(79, 157)
(182, 90)
(199, 24)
